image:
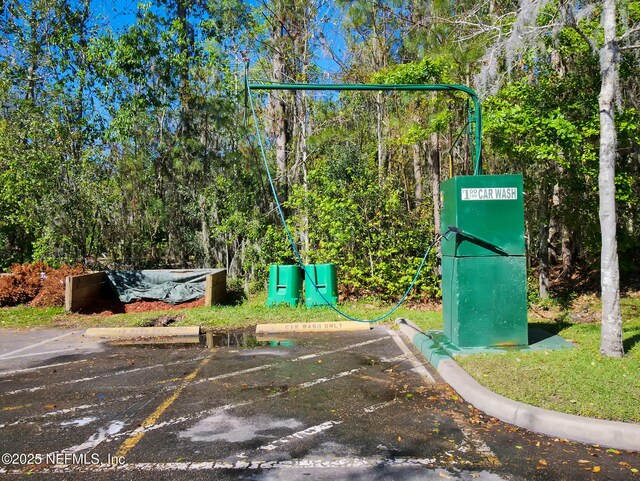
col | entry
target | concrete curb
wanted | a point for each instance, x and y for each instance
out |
(612, 434)
(131, 332)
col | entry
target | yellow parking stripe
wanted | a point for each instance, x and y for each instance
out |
(138, 434)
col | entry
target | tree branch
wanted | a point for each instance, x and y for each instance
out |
(629, 47)
(628, 33)
(571, 22)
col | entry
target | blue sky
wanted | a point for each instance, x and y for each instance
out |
(118, 14)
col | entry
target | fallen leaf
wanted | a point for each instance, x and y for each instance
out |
(596, 469)
(634, 470)
(543, 462)
(583, 461)
(518, 447)
(613, 451)
(399, 439)
(444, 475)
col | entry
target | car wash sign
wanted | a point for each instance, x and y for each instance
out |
(490, 193)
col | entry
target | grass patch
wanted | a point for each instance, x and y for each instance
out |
(248, 313)
(576, 381)
(25, 316)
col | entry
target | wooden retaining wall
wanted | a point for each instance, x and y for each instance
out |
(80, 291)
(215, 288)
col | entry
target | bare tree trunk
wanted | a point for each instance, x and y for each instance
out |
(434, 166)
(278, 107)
(303, 152)
(543, 243)
(382, 149)
(417, 172)
(204, 226)
(567, 253)
(611, 334)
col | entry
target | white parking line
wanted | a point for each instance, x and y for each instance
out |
(297, 359)
(34, 354)
(226, 407)
(199, 381)
(304, 434)
(41, 343)
(312, 463)
(37, 368)
(71, 410)
(417, 365)
(313, 430)
(474, 438)
(101, 376)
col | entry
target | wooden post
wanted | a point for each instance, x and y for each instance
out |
(215, 288)
(81, 291)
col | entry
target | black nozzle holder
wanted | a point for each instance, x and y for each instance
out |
(478, 240)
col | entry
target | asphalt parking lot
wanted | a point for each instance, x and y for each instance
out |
(358, 406)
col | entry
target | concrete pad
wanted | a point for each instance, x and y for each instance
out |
(313, 327)
(131, 332)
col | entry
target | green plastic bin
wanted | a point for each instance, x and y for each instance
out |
(325, 278)
(285, 285)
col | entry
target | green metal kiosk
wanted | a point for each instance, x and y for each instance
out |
(484, 282)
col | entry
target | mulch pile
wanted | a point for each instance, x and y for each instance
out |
(37, 284)
(108, 307)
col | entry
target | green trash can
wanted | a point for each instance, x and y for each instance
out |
(325, 278)
(285, 285)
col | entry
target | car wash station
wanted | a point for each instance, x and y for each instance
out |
(483, 246)
(329, 400)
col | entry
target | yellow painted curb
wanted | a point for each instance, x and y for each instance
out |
(129, 332)
(313, 327)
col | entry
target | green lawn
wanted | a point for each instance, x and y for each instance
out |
(248, 313)
(576, 381)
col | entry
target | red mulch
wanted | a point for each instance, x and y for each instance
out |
(108, 307)
(52, 292)
(22, 284)
(36, 283)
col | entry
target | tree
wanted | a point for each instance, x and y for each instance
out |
(611, 335)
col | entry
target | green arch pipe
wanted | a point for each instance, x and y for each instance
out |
(475, 118)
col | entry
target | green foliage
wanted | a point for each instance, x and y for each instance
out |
(427, 71)
(126, 147)
(364, 229)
